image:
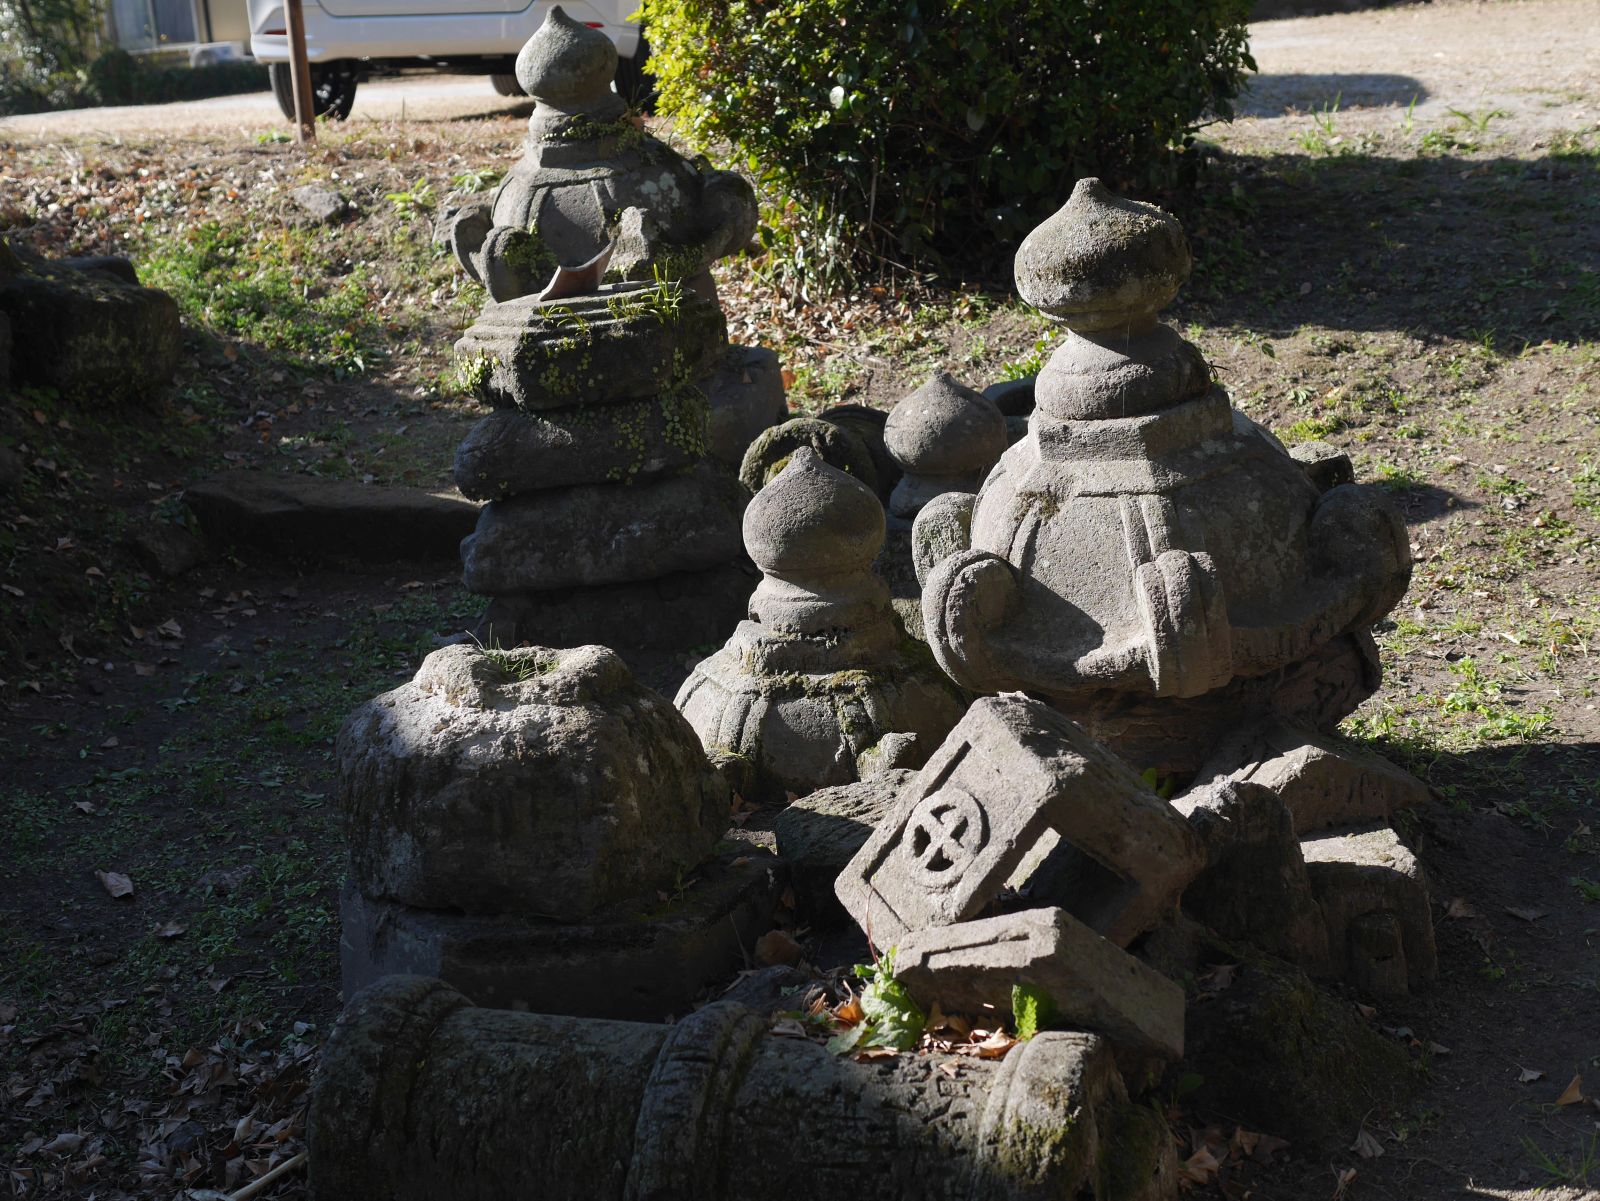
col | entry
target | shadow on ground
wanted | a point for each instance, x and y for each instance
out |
(1502, 251)
(1275, 95)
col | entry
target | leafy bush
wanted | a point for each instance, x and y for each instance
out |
(883, 133)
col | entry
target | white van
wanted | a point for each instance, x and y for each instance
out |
(351, 40)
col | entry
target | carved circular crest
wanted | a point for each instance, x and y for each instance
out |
(945, 832)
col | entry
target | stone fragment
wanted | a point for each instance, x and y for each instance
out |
(119, 269)
(1084, 980)
(944, 437)
(745, 395)
(1374, 897)
(1147, 559)
(1015, 774)
(1255, 887)
(1322, 781)
(834, 444)
(166, 549)
(712, 1107)
(643, 959)
(322, 205)
(89, 335)
(533, 782)
(1326, 466)
(818, 834)
(683, 608)
(868, 424)
(604, 534)
(590, 177)
(337, 520)
(625, 342)
(511, 452)
(818, 675)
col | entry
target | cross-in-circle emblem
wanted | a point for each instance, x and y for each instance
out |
(945, 831)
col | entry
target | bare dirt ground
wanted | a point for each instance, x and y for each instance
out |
(1419, 287)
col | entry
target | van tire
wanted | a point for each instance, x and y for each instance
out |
(333, 89)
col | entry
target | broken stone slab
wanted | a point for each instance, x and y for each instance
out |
(745, 396)
(88, 334)
(818, 834)
(1255, 887)
(605, 533)
(511, 452)
(536, 782)
(1323, 781)
(713, 1107)
(1374, 898)
(676, 611)
(645, 959)
(624, 342)
(1082, 980)
(1013, 777)
(337, 520)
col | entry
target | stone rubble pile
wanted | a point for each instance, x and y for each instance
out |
(1165, 613)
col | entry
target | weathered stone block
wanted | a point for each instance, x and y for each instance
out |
(421, 1096)
(681, 610)
(944, 437)
(90, 335)
(833, 444)
(1011, 774)
(1322, 781)
(1359, 875)
(625, 342)
(644, 959)
(604, 534)
(536, 782)
(307, 518)
(511, 452)
(1085, 980)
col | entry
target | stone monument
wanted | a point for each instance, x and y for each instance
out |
(593, 188)
(818, 687)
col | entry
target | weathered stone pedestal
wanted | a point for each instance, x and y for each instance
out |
(421, 1096)
(536, 828)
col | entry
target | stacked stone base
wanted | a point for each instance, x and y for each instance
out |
(641, 961)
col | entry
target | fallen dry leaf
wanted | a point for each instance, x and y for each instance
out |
(1458, 910)
(171, 930)
(1527, 915)
(1529, 1075)
(850, 1013)
(996, 1045)
(1342, 1183)
(1573, 1094)
(1365, 1145)
(117, 884)
(777, 947)
(1201, 1167)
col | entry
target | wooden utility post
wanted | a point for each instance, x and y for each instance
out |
(305, 118)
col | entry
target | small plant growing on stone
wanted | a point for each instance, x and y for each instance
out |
(889, 1017)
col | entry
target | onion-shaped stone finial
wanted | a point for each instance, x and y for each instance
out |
(945, 437)
(1103, 262)
(568, 67)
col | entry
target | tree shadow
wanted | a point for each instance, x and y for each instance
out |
(1275, 95)
(1502, 251)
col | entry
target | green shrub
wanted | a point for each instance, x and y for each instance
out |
(883, 132)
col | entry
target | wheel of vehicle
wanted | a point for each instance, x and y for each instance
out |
(634, 82)
(507, 85)
(333, 89)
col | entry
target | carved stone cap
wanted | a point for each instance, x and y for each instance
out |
(813, 521)
(1103, 262)
(945, 428)
(568, 68)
